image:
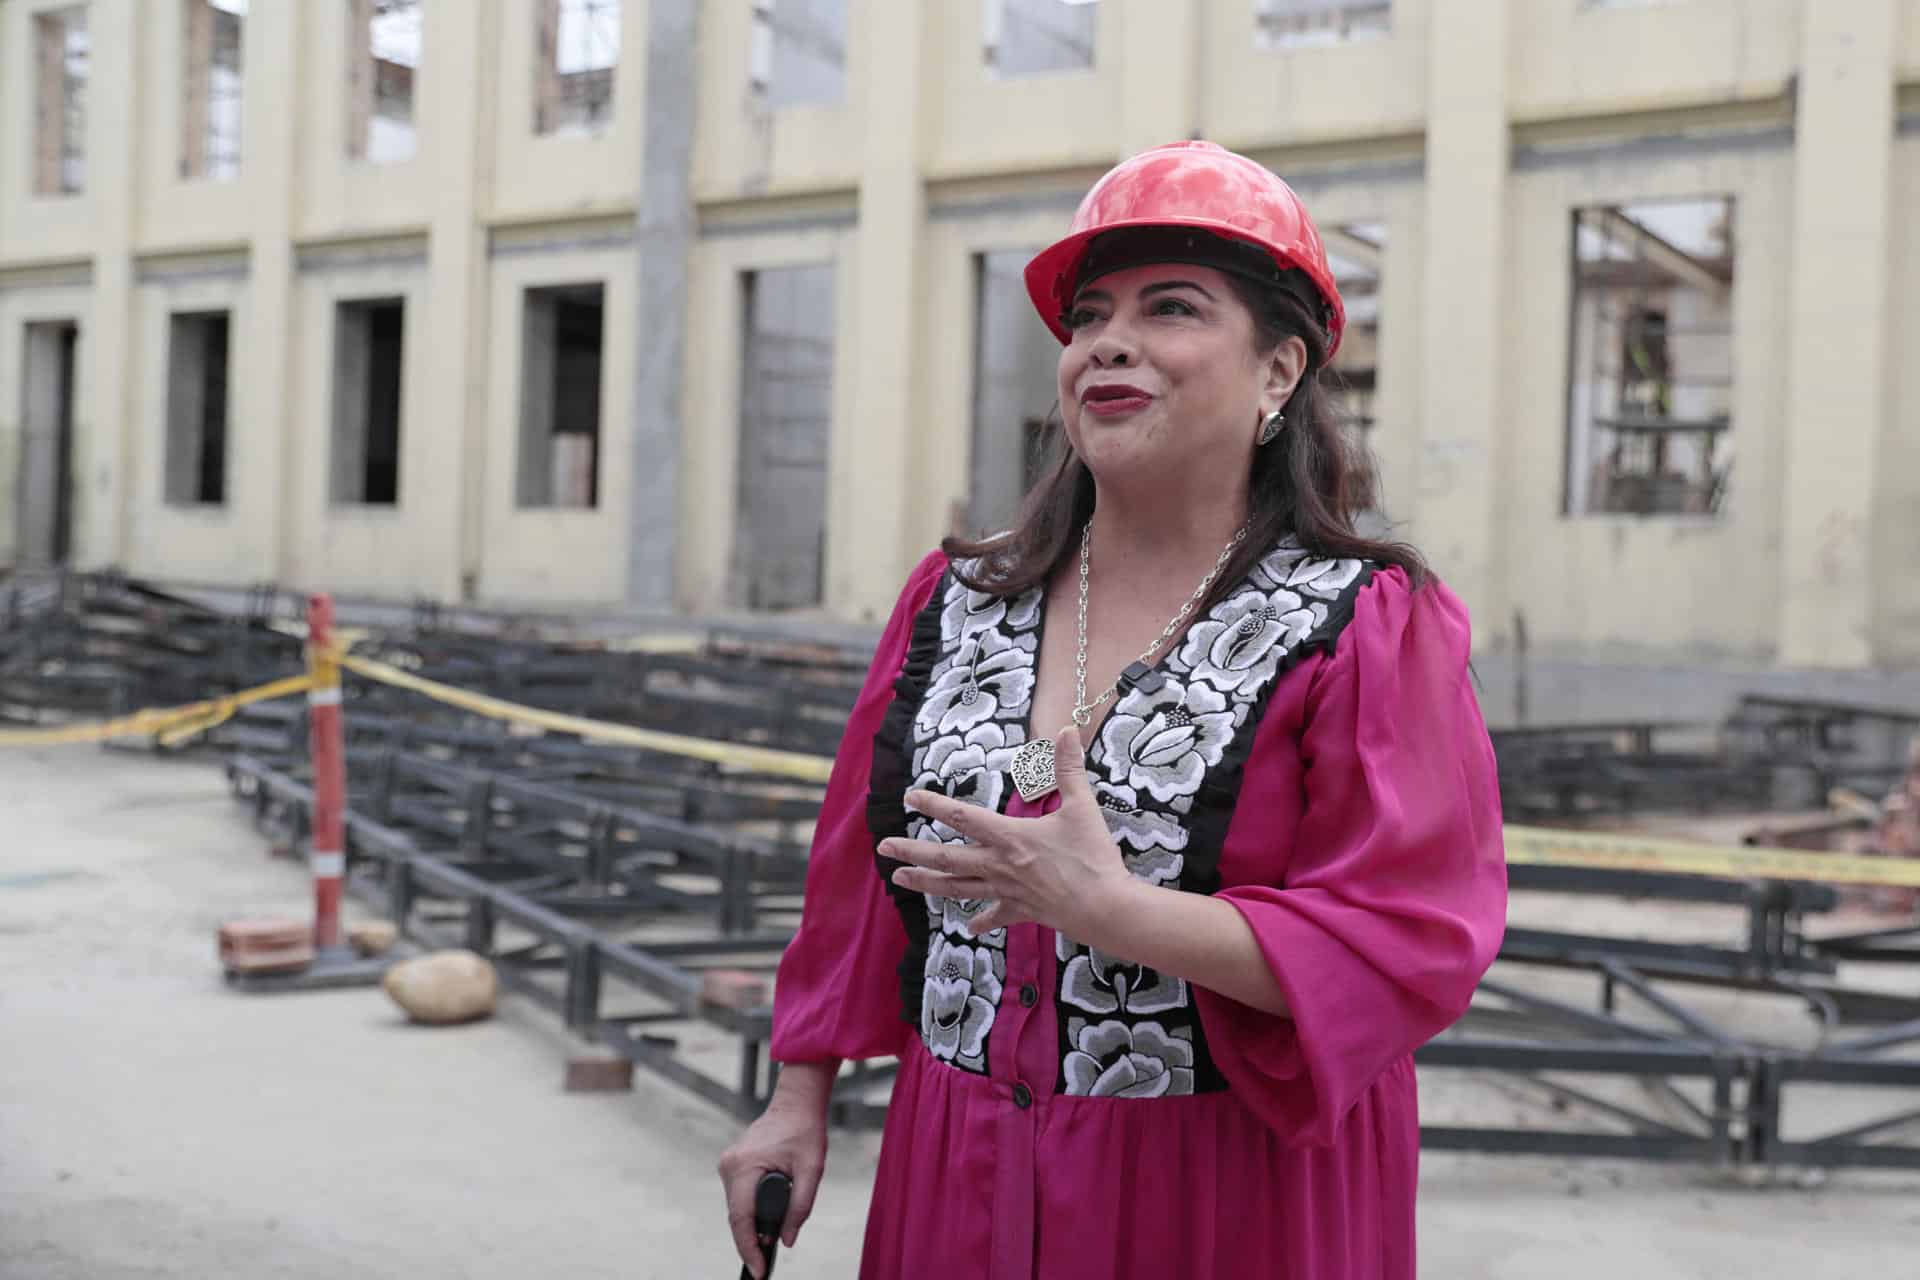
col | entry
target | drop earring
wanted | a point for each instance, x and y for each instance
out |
(1271, 427)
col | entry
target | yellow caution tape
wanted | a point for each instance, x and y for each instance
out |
(658, 644)
(172, 725)
(1551, 847)
(1527, 846)
(785, 764)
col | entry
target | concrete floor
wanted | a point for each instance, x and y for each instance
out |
(154, 1124)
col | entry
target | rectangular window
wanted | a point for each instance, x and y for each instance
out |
(578, 51)
(213, 82)
(1650, 369)
(367, 354)
(1290, 24)
(799, 52)
(383, 57)
(1038, 37)
(786, 412)
(1014, 389)
(197, 348)
(60, 102)
(1354, 251)
(561, 349)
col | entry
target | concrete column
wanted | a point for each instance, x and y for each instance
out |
(1160, 65)
(1836, 331)
(459, 103)
(261, 420)
(1457, 488)
(870, 456)
(105, 447)
(664, 238)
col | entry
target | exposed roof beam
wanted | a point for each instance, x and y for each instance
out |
(1675, 261)
(1340, 243)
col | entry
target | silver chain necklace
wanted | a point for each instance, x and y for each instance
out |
(1082, 709)
(1033, 764)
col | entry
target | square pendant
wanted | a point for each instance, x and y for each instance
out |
(1032, 770)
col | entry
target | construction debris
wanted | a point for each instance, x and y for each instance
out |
(1898, 834)
(444, 988)
(1857, 824)
(600, 1073)
(266, 946)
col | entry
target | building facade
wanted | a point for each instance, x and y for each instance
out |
(710, 305)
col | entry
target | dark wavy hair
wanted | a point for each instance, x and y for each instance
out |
(1313, 481)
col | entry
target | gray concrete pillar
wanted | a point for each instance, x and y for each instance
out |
(664, 239)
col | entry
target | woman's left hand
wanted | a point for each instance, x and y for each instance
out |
(1057, 870)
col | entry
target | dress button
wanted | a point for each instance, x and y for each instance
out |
(1022, 1096)
(1029, 995)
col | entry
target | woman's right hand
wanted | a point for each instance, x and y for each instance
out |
(791, 1137)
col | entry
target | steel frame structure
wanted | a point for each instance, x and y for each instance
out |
(1748, 1080)
(576, 924)
(605, 881)
(587, 915)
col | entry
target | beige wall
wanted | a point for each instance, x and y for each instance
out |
(1388, 193)
(555, 555)
(1469, 130)
(1371, 88)
(1571, 58)
(33, 228)
(180, 214)
(1836, 329)
(1896, 497)
(942, 436)
(234, 542)
(709, 494)
(57, 297)
(1626, 586)
(364, 549)
(344, 198)
(742, 149)
(535, 177)
(978, 123)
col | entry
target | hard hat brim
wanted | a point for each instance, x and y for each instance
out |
(1054, 273)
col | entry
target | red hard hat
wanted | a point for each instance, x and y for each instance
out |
(1198, 185)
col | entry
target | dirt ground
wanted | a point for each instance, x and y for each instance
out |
(152, 1123)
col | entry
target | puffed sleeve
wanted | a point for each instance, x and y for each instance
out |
(838, 990)
(1393, 902)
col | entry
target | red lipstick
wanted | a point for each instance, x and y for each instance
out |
(1114, 399)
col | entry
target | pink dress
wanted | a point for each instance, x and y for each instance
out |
(1060, 1114)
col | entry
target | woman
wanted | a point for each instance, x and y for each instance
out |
(1186, 822)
